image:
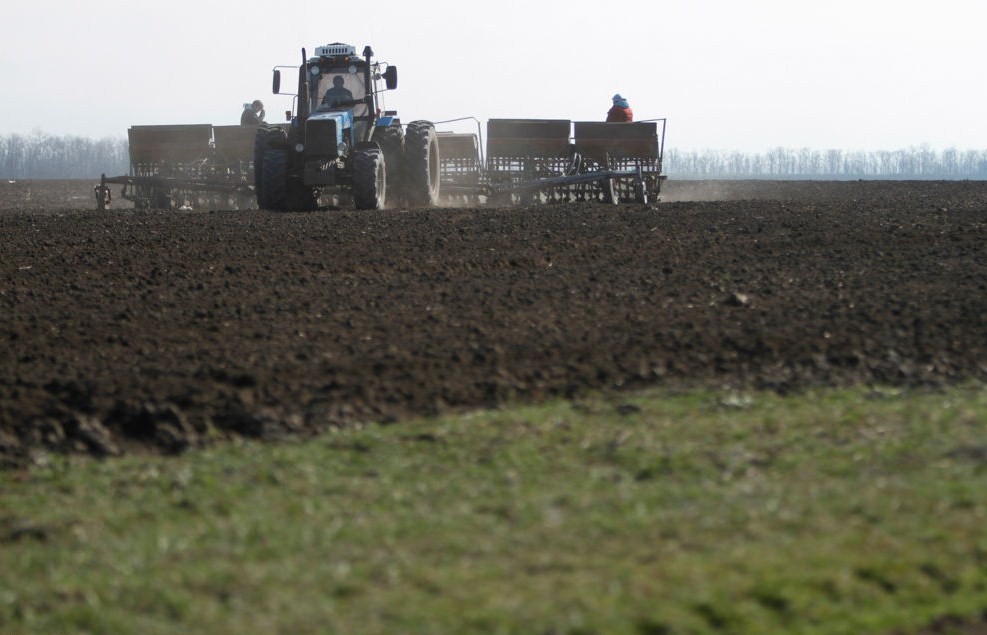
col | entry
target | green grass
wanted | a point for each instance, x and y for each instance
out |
(831, 512)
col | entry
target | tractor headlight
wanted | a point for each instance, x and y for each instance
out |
(299, 148)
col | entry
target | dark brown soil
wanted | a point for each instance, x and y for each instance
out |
(129, 331)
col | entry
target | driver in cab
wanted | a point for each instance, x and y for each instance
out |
(338, 95)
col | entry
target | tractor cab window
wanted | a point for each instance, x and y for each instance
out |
(337, 89)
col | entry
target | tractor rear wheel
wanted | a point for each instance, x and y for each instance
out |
(369, 179)
(421, 164)
(274, 180)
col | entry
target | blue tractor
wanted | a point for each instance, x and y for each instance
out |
(339, 146)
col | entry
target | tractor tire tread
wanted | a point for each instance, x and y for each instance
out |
(421, 164)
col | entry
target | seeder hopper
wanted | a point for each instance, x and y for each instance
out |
(197, 165)
(540, 160)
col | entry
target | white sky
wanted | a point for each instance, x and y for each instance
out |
(728, 74)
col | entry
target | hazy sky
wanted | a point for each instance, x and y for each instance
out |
(728, 74)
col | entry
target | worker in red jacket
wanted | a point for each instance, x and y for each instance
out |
(620, 111)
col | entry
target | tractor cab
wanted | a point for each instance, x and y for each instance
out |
(338, 80)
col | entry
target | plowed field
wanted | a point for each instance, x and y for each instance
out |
(127, 331)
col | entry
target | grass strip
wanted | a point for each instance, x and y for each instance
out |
(834, 511)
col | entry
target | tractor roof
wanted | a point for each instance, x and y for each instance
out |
(336, 49)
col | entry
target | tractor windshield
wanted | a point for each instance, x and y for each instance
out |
(337, 89)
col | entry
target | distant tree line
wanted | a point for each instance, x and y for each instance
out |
(788, 163)
(44, 156)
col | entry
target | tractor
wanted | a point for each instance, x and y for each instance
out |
(339, 146)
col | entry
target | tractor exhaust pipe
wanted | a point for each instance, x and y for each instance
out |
(368, 90)
(303, 101)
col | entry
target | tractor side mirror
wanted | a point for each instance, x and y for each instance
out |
(391, 77)
(277, 81)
